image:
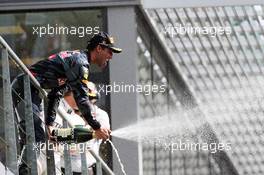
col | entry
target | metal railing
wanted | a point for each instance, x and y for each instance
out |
(10, 142)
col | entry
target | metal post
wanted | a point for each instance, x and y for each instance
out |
(99, 159)
(98, 168)
(67, 156)
(49, 148)
(84, 161)
(10, 136)
(31, 157)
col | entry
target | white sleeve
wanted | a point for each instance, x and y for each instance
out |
(102, 118)
(68, 112)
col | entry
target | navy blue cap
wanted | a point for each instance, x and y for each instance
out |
(105, 40)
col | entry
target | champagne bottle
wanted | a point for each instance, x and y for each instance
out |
(71, 135)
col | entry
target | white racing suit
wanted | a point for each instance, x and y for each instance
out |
(102, 117)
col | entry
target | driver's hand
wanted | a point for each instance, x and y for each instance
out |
(102, 133)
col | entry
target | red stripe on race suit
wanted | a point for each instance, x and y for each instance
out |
(52, 57)
(63, 54)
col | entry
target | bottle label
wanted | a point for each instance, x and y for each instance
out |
(65, 132)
